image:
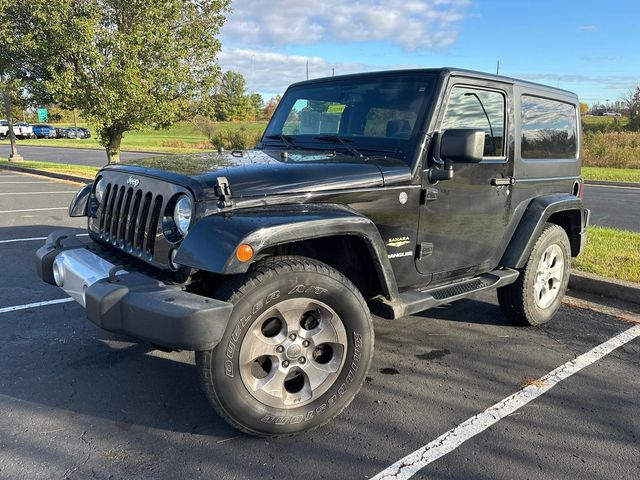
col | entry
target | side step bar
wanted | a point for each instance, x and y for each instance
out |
(420, 299)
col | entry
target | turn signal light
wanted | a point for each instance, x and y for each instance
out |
(244, 253)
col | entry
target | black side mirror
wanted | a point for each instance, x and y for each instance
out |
(464, 145)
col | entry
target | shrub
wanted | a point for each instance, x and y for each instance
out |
(611, 149)
(174, 143)
(231, 136)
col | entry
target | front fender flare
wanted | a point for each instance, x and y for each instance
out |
(212, 242)
(80, 202)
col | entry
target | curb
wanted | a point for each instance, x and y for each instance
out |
(42, 173)
(608, 287)
(606, 183)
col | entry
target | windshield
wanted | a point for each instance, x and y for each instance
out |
(359, 115)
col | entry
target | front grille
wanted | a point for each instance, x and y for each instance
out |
(128, 219)
(131, 217)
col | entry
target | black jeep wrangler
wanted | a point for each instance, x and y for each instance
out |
(387, 192)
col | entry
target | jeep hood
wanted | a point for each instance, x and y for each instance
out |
(269, 172)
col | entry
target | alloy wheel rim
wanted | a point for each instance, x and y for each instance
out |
(549, 274)
(293, 353)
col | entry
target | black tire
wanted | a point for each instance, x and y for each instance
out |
(274, 282)
(522, 301)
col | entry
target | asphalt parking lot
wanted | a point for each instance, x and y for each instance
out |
(80, 403)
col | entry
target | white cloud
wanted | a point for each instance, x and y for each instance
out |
(411, 24)
(270, 72)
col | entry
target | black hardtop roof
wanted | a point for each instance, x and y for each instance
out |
(446, 71)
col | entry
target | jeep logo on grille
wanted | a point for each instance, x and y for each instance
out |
(133, 181)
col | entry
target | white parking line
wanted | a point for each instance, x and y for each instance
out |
(412, 463)
(33, 210)
(38, 193)
(34, 305)
(16, 240)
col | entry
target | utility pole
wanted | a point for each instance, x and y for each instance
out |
(75, 124)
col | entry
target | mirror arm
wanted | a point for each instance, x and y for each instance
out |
(445, 173)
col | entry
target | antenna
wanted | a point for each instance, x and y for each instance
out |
(498, 67)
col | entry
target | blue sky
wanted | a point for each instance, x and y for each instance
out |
(589, 47)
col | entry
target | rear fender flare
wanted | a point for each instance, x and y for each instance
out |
(532, 223)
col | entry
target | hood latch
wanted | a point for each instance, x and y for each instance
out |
(223, 190)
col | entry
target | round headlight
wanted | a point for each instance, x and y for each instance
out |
(99, 190)
(182, 214)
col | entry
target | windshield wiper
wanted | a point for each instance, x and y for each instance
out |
(287, 140)
(337, 138)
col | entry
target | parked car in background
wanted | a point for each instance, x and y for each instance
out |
(61, 132)
(23, 130)
(80, 133)
(20, 129)
(44, 131)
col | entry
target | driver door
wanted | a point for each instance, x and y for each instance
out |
(464, 220)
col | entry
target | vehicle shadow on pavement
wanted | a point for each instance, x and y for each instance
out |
(466, 310)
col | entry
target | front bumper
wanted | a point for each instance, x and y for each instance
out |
(130, 303)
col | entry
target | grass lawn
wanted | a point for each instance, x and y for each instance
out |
(181, 138)
(78, 170)
(611, 253)
(612, 174)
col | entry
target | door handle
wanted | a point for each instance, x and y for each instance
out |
(500, 182)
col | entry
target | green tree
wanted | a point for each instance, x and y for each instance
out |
(128, 64)
(231, 102)
(257, 105)
(17, 41)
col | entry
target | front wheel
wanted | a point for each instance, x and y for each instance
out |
(537, 294)
(295, 352)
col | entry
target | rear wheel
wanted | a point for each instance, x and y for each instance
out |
(296, 349)
(537, 294)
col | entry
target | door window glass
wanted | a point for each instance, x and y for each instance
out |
(476, 108)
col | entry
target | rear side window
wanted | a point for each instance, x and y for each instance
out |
(549, 129)
(476, 108)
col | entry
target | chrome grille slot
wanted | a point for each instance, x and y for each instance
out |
(155, 216)
(115, 218)
(125, 218)
(131, 221)
(141, 225)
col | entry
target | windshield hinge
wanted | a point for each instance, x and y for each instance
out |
(223, 190)
(428, 194)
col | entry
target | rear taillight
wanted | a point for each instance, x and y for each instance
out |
(581, 189)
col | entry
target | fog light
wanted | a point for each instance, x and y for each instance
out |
(58, 272)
